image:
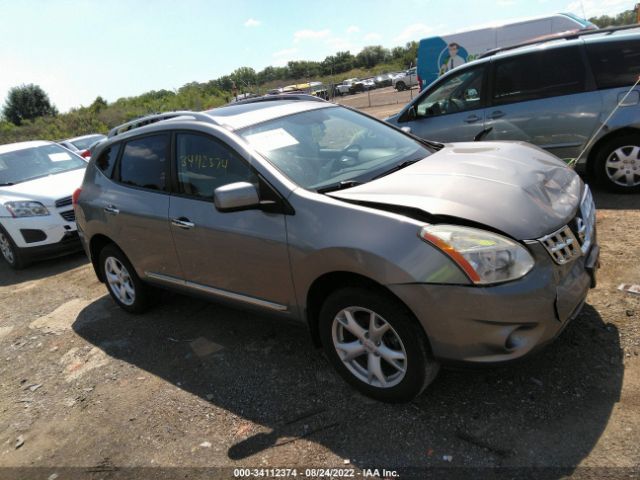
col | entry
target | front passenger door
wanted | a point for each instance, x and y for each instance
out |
(243, 254)
(452, 110)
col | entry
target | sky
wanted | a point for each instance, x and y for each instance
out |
(79, 49)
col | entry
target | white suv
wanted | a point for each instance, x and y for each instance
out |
(37, 180)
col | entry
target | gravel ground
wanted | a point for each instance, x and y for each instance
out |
(192, 389)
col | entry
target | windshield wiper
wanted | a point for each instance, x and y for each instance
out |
(8, 184)
(338, 186)
(397, 167)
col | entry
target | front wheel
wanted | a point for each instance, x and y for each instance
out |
(376, 345)
(10, 252)
(617, 166)
(400, 86)
(124, 285)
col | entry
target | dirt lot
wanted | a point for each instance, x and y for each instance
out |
(381, 102)
(191, 389)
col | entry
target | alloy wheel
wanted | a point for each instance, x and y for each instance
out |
(369, 347)
(6, 248)
(119, 280)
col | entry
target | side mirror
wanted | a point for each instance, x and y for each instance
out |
(236, 196)
(408, 115)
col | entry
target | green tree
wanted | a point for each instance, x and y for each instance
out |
(372, 56)
(628, 17)
(98, 105)
(27, 102)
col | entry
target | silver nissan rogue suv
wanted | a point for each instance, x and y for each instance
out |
(399, 254)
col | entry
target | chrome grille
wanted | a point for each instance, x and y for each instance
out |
(575, 239)
(562, 245)
(63, 202)
(69, 215)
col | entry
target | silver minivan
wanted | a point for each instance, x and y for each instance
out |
(556, 94)
(399, 255)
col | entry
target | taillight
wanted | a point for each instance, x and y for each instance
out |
(419, 82)
(75, 196)
(86, 154)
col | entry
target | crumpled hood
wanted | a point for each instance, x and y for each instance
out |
(45, 190)
(514, 187)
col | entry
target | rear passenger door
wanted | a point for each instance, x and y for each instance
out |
(136, 205)
(545, 97)
(238, 255)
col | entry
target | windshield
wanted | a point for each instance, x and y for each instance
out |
(29, 163)
(326, 146)
(86, 142)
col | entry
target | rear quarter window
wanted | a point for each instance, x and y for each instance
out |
(107, 159)
(615, 64)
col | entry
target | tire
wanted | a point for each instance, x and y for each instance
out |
(617, 164)
(10, 251)
(400, 86)
(123, 283)
(404, 343)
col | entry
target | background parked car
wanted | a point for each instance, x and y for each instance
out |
(346, 87)
(37, 219)
(82, 145)
(383, 80)
(556, 94)
(405, 80)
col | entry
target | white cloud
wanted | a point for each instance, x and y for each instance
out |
(285, 52)
(252, 23)
(595, 8)
(310, 35)
(413, 32)
(353, 29)
(339, 44)
(370, 37)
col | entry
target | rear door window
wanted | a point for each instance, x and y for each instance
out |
(145, 162)
(615, 64)
(537, 75)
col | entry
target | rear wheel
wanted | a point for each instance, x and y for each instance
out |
(124, 285)
(376, 345)
(10, 252)
(617, 166)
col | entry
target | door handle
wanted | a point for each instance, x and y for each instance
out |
(496, 114)
(472, 119)
(111, 209)
(182, 223)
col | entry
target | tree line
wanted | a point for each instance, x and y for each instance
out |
(29, 114)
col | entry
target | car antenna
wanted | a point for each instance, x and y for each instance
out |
(574, 161)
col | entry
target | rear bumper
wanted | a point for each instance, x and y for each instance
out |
(501, 323)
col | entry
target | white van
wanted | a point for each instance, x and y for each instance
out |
(438, 55)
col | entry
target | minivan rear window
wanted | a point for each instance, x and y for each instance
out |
(537, 75)
(615, 64)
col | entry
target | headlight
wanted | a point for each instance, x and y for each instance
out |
(484, 256)
(26, 209)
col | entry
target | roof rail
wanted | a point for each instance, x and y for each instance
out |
(279, 96)
(158, 117)
(570, 35)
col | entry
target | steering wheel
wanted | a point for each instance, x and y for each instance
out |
(455, 105)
